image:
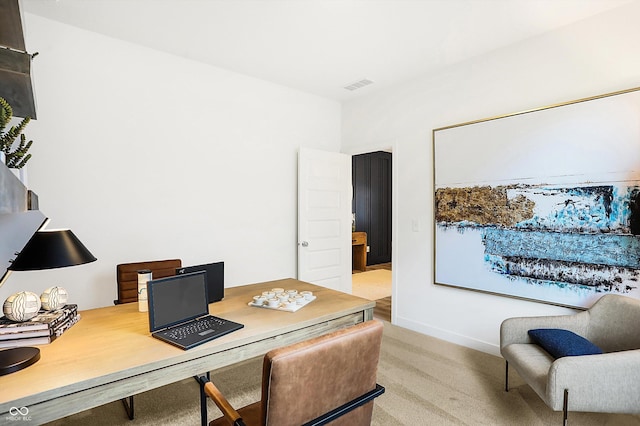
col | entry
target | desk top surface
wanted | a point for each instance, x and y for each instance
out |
(114, 342)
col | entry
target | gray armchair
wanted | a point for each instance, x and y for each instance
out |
(608, 382)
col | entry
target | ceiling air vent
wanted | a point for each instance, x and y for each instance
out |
(358, 84)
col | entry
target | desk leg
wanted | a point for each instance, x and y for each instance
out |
(203, 400)
(367, 315)
(128, 406)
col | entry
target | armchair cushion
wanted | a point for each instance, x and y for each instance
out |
(560, 343)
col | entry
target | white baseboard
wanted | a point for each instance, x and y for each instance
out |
(448, 336)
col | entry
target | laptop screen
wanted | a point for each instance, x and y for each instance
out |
(177, 299)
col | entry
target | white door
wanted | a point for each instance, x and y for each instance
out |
(324, 219)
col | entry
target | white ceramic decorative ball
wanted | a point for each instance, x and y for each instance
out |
(21, 306)
(53, 298)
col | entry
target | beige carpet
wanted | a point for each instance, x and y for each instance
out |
(428, 382)
(371, 285)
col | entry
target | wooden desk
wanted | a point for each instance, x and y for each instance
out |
(359, 250)
(109, 354)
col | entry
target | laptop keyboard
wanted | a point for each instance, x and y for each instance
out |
(206, 326)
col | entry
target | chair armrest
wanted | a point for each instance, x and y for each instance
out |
(227, 410)
(598, 383)
(514, 330)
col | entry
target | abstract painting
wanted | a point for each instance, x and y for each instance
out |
(542, 205)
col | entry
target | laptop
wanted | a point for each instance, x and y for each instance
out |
(215, 278)
(179, 311)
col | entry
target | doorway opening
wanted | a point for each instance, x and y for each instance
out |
(372, 236)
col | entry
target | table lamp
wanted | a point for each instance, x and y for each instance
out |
(47, 249)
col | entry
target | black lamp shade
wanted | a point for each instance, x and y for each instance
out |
(49, 249)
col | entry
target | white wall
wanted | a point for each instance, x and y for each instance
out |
(595, 56)
(147, 156)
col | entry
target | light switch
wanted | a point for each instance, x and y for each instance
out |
(415, 225)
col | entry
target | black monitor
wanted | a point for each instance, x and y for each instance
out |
(215, 278)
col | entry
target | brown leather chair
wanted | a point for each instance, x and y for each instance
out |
(127, 276)
(314, 382)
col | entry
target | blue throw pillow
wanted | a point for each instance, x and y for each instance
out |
(561, 343)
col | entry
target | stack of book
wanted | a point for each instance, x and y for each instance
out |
(42, 329)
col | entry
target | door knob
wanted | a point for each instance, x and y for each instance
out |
(304, 244)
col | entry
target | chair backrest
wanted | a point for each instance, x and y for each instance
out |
(613, 321)
(127, 276)
(306, 380)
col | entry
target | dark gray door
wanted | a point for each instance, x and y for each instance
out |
(372, 203)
